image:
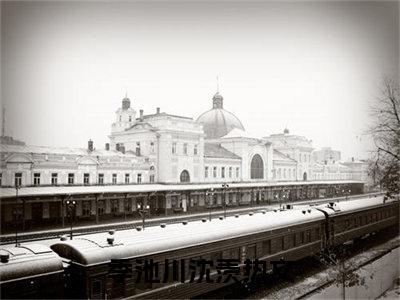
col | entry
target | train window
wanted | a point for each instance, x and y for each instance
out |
(266, 247)
(317, 233)
(251, 252)
(302, 237)
(347, 223)
(97, 291)
(365, 220)
(308, 235)
(359, 221)
(231, 253)
(294, 240)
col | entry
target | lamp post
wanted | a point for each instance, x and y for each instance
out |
(16, 213)
(210, 194)
(142, 211)
(70, 207)
(225, 186)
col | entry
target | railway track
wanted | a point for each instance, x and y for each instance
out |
(56, 233)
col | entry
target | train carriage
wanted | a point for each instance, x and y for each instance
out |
(271, 236)
(33, 271)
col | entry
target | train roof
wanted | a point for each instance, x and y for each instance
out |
(27, 261)
(352, 205)
(94, 248)
(9, 192)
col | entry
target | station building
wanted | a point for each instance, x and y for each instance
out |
(172, 163)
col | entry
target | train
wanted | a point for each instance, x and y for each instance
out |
(188, 259)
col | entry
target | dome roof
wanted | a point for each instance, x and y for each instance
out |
(218, 122)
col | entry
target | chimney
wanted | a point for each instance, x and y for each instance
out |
(141, 115)
(107, 146)
(90, 145)
(117, 146)
(158, 110)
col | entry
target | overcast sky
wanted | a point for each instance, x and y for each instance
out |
(311, 66)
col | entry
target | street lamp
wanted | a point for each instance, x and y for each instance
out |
(142, 211)
(210, 194)
(225, 186)
(70, 207)
(17, 214)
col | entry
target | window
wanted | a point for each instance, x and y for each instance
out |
(137, 148)
(152, 149)
(1, 178)
(126, 178)
(237, 172)
(308, 235)
(185, 148)
(152, 178)
(71, 177)
(185, 177)
(101, 178)
(195, 150)
(230, 172)
(302, 237)
(54, 177)
(114, 206)
(284, 173)
(130, 118)
(18, 179)
(173, 148)
(120, 119)
(266, 247)
(222, 172)
(86, 177)
(114, 178)
(214, 172)
(257, 167)
(36, 179)
(86, 208)
(205, 172)
(139, 178)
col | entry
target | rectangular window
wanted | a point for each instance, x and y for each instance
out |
(302, 237)
(237, 172)
(222, 172)
(215, 172)
(54, 177)
(126, 178)
(86, 206)
(86, 177)
(205, 172)
(114, 178)
(152, 149)
(139, 178)
(266, 247)
(71, 177)
(152, 178)
(137, 148)
(195, 150)
(308, 235)
(101, 178)
(18, 179)
(230, 172)
(185, 148)
(173, 148)
(36, 179)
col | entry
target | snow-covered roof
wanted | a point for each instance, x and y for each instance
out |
(93, 248)
(353, 205)
(7, 192)
(28, 260)
(239, 133)
(216, 151)
(282, 157)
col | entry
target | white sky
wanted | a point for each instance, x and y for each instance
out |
(314, 67)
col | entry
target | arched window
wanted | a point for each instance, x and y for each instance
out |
(304, 176)
(257, 167)
(185, 176)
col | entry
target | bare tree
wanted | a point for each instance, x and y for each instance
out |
(385, 131)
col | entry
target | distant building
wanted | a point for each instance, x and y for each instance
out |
(326, 154)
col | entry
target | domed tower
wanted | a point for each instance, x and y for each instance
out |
(125, 116)
(218, 122)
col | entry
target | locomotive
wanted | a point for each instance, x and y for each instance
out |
(168, 261)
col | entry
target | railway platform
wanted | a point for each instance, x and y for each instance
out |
(47, 233)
